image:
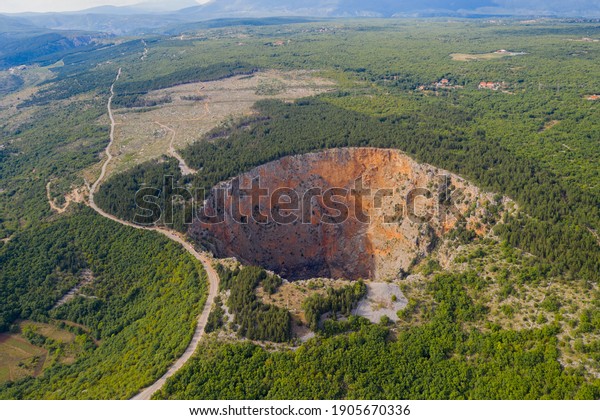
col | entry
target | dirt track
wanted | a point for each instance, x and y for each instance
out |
(213, 277)
(185, 170)
(51, 202)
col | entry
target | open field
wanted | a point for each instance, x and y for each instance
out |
(143, 134)
(19, 358)
(484, 56)
(49, 331)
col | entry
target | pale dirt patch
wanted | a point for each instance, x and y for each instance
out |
(549, 125)
(145, 134)
(77, 195)
(484, 56)
(87, 278)
(382, 299)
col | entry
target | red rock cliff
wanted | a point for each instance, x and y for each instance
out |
(357, 213)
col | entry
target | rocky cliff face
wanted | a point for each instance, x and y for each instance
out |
(341, 213)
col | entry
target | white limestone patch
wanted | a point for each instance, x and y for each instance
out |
(380, 301)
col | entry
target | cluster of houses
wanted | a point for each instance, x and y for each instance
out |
(447, 84)
(492, 85)
(440, 84)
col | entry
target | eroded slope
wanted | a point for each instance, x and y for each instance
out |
(341, 213)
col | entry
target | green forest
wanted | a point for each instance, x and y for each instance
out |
(146, 296)
(441, 359)
(256, 320)
(557, 213)
(535, 141)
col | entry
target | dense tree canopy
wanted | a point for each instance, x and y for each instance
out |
(441, 359)
(142, 304)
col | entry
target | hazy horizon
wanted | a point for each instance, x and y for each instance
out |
(590, 8)
(43, 6)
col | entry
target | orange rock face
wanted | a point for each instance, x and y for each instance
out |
(342, 213)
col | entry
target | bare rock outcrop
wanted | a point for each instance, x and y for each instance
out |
(341, 213)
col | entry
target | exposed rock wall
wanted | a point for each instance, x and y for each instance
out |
(358, 213)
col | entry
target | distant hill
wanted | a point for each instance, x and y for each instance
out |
(15, 25)
(117, 24)
(333, 8)
(159, 16)
(21, 42)
(391, 8)
(156, 6)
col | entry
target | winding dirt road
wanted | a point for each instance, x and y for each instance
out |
(185, 170)
(213, 277)
(51, 202)
(108, 154)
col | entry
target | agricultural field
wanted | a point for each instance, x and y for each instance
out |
(19, 358)
(34, 349)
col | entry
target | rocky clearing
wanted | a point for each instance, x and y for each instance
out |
(383, 299)
(143, 134)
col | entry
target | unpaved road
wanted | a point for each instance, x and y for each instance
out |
(213, 277)
(51, 202)
(185, 170)
(108, 154)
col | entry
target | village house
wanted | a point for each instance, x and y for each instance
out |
(440, 84)
(491, 85)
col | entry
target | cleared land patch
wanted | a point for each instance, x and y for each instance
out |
(548, 125)
(383, 299)
(21, 358)
(484, 56)
(196, 108)
(291, 295)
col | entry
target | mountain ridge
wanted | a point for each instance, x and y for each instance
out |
(152, 17)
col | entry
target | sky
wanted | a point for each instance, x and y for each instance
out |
(17, 6)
